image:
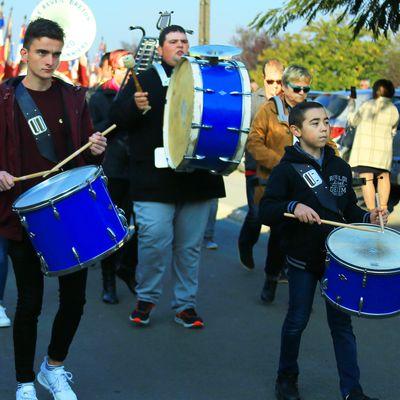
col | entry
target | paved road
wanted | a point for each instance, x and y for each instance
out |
(233, 358)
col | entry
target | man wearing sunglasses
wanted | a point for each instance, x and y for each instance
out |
(269, 135)
(250, 231)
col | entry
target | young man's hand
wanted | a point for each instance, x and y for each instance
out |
(374, 216)
(99, 144)
(6, 181)
(306, 214)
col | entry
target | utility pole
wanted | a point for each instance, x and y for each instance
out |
(204, 22)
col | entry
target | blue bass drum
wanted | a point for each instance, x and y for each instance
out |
(71, 220)
(207, 115)
(362, 276)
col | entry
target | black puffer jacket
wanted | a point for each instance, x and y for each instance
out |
(304, 244)
(116, 159)
(149, 183)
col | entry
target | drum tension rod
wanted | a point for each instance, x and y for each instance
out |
(199, 89)
(236, 93)
(201, 126)
(228, 160)
(195, 157)
(232, 129)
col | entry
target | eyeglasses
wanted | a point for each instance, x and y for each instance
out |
(298, 89)
(271, 82)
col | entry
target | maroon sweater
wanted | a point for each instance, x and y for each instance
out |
(18, 152)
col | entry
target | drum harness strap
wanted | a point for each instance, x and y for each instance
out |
(282, 117)
(38, 127)
(318, 186)
(162, 74)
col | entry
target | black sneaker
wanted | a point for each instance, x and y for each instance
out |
(246, 258)
(269, 290)
(141, 313)
(357, 394)
(189, 319)
(286, 388)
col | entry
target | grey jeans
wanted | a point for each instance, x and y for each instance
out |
(170, 234)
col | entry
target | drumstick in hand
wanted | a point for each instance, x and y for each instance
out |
(378, 204)
(129, 62)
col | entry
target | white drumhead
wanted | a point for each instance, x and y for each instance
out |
(365, 250)
(56, 186)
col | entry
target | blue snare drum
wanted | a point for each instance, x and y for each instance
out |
(207, 115)
(363, 272)
(71, 220)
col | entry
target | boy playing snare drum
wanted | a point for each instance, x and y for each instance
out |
(322, 189)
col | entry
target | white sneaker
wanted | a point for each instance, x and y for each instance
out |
(211, 245)
(26, 392)
(56, 382)
(4, 320)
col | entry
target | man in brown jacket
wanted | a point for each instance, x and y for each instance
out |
(269, 135)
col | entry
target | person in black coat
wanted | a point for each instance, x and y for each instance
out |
(171, 208)
(303, 240)
(116, 168)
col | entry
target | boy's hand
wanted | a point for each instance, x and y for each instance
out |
(6, 181)
(374, 216)
(306, 214)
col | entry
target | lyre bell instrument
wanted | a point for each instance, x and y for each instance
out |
(77, 21)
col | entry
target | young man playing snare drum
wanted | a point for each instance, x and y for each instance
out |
(303, 241)
(66, 123)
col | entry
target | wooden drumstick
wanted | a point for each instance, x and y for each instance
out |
(77, 152)
(129, 62)
(378, 204)
(340, 224)
(31, 176)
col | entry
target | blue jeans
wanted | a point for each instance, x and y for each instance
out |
(210, 228)
(302, 286)
(3, 266)
(170, 234)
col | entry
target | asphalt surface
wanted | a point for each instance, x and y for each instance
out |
(233, 358)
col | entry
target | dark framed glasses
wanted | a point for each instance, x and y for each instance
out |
(298, 89)
(271, 81)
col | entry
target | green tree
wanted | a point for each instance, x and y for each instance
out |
(328, 51)
(377, 16)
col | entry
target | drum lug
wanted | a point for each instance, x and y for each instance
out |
(364, 280)
(195, 157)
(228, 160)
(55, 211)
(31, 235)
(199, 89)
(338, 299)
(43, 263)
(122, 217)
(201, 126)
(342, 277)
(324, 284)
(112, 235)
(247, 131)
(92, 191)
(76, 255)
(24, 223)
(105, 179)
(360, 305)
(236, 93)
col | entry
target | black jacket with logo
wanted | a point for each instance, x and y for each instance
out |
(304, 244)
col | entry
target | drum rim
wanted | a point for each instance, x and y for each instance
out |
(357, 313)
(129, 233)
(353, 267)
(98, 170)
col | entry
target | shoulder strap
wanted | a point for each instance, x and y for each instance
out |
(36, 123)
(282, 117)
(318, 186)
(161, 73)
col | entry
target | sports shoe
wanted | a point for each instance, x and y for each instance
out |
(56, 381)
(141, 314)
(26, 391)
(189, 319)
(246, 258)
(211, 245)
(286, 388)
(283, 278)
(357, 394)
(4, 320)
